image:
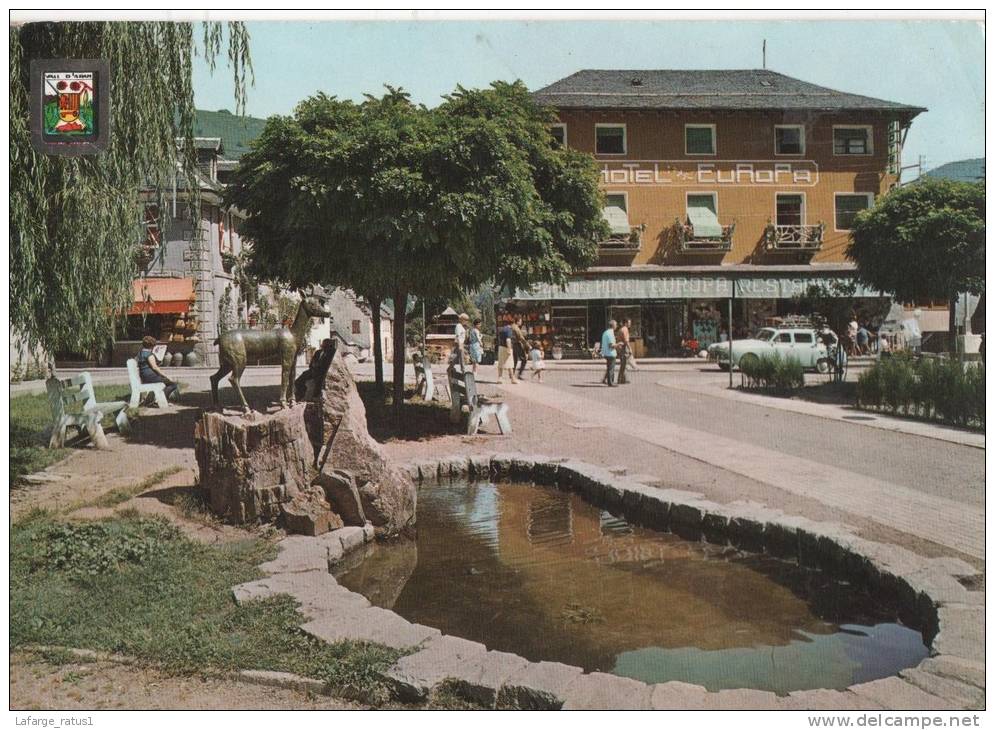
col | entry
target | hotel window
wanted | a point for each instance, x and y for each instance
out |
(559, 134)
(699, 139)
(789, 139)
(355, 326)
(616, 213)
(610, 139)
(702, 212)
(852, 141)
(847, 207)
(790, 210)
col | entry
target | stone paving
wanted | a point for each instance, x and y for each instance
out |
(928, 593)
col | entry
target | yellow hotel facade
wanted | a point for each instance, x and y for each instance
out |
(719, 185)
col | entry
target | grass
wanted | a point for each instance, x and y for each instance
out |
(136, 586)
(30, 424)
(122, 494)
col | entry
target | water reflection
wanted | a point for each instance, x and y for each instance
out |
(543, 574)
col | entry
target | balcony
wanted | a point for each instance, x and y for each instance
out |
(689, 242)
(788, 239)
(623, 243)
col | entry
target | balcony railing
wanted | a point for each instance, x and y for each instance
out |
(620, 243)
(688, 242)
(793, 238)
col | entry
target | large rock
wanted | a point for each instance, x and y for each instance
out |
(387, 493)
(250, 465)
(310, 514)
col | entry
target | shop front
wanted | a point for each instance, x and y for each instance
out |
(669, 312)
(161, 308)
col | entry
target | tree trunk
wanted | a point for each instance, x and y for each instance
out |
(375, 303)
(400, 310)
(952, 324)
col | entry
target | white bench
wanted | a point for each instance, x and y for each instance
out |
(140, 390)
(74, 405)
(471, 408)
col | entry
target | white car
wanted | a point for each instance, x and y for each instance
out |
(808, 346)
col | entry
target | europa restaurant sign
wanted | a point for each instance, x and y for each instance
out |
(803, 173)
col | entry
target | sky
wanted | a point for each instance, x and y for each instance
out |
(934, 64)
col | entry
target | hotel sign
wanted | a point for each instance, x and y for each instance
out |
(725, 173)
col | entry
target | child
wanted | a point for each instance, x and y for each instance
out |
(535, 361)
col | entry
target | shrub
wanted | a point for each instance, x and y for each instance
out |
(773, 373)
(930, 388)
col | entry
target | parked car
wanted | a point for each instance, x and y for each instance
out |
(812, 348)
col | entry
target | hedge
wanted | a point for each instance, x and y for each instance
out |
(772, 372)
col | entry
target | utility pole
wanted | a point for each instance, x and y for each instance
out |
(765, 53)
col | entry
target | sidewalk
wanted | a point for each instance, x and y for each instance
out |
(849, 414)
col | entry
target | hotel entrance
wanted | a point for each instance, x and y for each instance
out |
(663, 328)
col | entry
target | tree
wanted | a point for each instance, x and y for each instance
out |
(924, 241)
(75, 222)
(390, 197)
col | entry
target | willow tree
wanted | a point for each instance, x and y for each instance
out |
(419, 202)
(75, 222)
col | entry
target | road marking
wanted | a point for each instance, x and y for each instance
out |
(939, 520)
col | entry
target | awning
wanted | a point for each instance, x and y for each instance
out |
(616, 287)
(703, 220)
(618, 220)
(161, 296)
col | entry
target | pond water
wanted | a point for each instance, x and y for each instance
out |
(542, 573)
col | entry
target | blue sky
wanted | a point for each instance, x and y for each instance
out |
(935, 64)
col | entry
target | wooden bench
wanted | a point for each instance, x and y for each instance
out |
(470, 408)
(425, 385)
(140, 390)
(74, 405)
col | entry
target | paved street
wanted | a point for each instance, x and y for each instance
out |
(921, 486)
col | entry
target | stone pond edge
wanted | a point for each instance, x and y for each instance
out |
(926, 590)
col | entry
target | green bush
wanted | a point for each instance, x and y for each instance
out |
(772, 373)
(929, 388)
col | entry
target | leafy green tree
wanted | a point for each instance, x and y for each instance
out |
(75, 222)
(391, 198)
(923, 241)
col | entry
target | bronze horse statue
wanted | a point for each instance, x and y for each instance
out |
(237, 347)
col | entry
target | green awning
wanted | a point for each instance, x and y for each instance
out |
(703, 219)
(618, 220)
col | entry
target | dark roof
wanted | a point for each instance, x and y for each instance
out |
(674, 89)
(235, 131)
(960, 171)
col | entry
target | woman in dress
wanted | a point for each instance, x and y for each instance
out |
(476, 341)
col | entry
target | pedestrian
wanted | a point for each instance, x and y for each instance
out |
(316, 369)
(608, 352)
(535, 362)
(851, 334)
(520, 345)
(623, 349)
(459, 344)
(505, 337)
(148, 368)
(863, 339)
(476, 345)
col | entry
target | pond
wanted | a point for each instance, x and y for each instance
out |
(542, 573)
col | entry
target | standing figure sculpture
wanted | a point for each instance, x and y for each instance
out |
(238, 347)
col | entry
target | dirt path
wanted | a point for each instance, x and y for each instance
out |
(37, 684)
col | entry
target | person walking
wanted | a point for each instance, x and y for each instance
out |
(535, 361)
(520, 346)
(505, 338)
(624, 349)
(863, 340)
(459, 346)
(608, 353)
(476, 346)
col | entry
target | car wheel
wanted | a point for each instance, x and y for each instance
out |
(749, 359)
(724, 366)
(824, 366)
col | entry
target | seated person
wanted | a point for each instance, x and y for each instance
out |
(148, 368)
(316, 370)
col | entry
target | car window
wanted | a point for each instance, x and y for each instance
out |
(784, 337)
(765, 335)
(804, 337)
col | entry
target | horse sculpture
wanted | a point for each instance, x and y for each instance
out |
(237, 347)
